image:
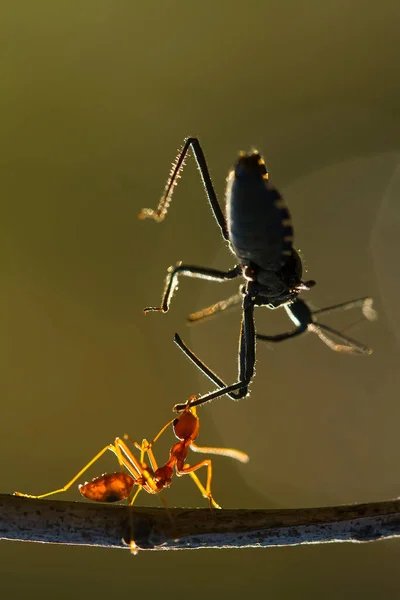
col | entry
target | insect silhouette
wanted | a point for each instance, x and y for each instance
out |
(113, 487)
(259, 230)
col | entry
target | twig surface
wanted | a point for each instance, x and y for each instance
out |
(85, 524)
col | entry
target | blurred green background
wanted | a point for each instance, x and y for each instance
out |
(95, 99)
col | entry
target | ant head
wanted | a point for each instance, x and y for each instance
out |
(250, 163)
(187, 424)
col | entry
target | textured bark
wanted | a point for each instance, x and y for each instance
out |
(85, 524)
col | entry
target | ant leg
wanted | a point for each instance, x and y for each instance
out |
(228, 452)
(215, 308)
(171, 281)
(134, 549)
(142, 470)
(146, 446)
(205, 491)
(74, 479)
(350, 346)
(160, 213)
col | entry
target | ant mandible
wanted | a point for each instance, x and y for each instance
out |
(114, 487)
(259, 230)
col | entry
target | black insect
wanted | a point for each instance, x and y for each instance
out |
(259, 230)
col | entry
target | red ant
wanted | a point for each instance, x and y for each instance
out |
(113, 487)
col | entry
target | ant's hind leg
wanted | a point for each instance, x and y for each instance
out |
(74, 479)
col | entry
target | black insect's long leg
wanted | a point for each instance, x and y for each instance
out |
(216, 308)
(345, 306)
(162, 209)
(208, 397)
(246, 359)
(350, 346)
(280, 337)
(171, 281)
(247, 347)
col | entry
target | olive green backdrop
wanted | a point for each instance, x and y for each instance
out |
(96, 97)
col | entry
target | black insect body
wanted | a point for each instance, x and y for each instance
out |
(261, 234)
(259, 230)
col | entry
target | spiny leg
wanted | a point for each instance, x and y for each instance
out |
(224, 389)
(246, 360)
(199, 364)
(247, 349)
(162, 209)
(210, 396)
(171, 282)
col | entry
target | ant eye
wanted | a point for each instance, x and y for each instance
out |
(175, 423)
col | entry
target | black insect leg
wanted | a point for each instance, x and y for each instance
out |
(216, 308)
(280, 337)
(216, 394)
(300, 314)
(205, 175)
(171, 281)
(162, 209)
(247, 348)
(246, 359)
(350, 346)
(364, 303)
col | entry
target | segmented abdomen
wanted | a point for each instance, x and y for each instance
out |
(259, 223)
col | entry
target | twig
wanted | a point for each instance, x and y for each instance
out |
(84, 524)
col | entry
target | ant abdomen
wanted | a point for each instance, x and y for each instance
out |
(110, 487)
